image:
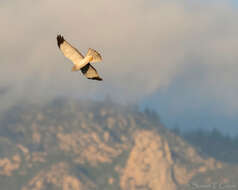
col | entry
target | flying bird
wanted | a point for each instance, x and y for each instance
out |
(80, 62)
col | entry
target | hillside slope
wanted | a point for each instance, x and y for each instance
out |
(69, 144)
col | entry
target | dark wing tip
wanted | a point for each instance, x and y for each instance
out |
(96, 78)
(60, 40)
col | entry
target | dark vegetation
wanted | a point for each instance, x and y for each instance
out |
(212, 143)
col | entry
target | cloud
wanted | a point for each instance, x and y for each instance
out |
(145, 46)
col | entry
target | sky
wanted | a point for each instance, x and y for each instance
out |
(178, 57)
(181, 105)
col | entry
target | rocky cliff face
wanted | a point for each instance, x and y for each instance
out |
(77, 145)
(149, 165)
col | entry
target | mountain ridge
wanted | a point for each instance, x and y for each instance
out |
(69, 144)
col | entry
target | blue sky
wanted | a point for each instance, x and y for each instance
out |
(180, 106)
(189, 101)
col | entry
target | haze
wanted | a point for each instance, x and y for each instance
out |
(148, 47)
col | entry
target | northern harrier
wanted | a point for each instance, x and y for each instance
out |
(80, 62)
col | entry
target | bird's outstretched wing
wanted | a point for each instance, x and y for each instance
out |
(90, 72)
(69, 51)
(96, 57)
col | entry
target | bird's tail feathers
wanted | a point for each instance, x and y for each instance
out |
(96, 57)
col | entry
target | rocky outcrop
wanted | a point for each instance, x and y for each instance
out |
(58, 176)
(8, 165)
(88, 147)
(149, 164)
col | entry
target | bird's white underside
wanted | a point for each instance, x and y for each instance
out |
(76, 57)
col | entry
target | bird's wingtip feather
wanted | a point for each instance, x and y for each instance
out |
(60, 39)
(96, 78)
